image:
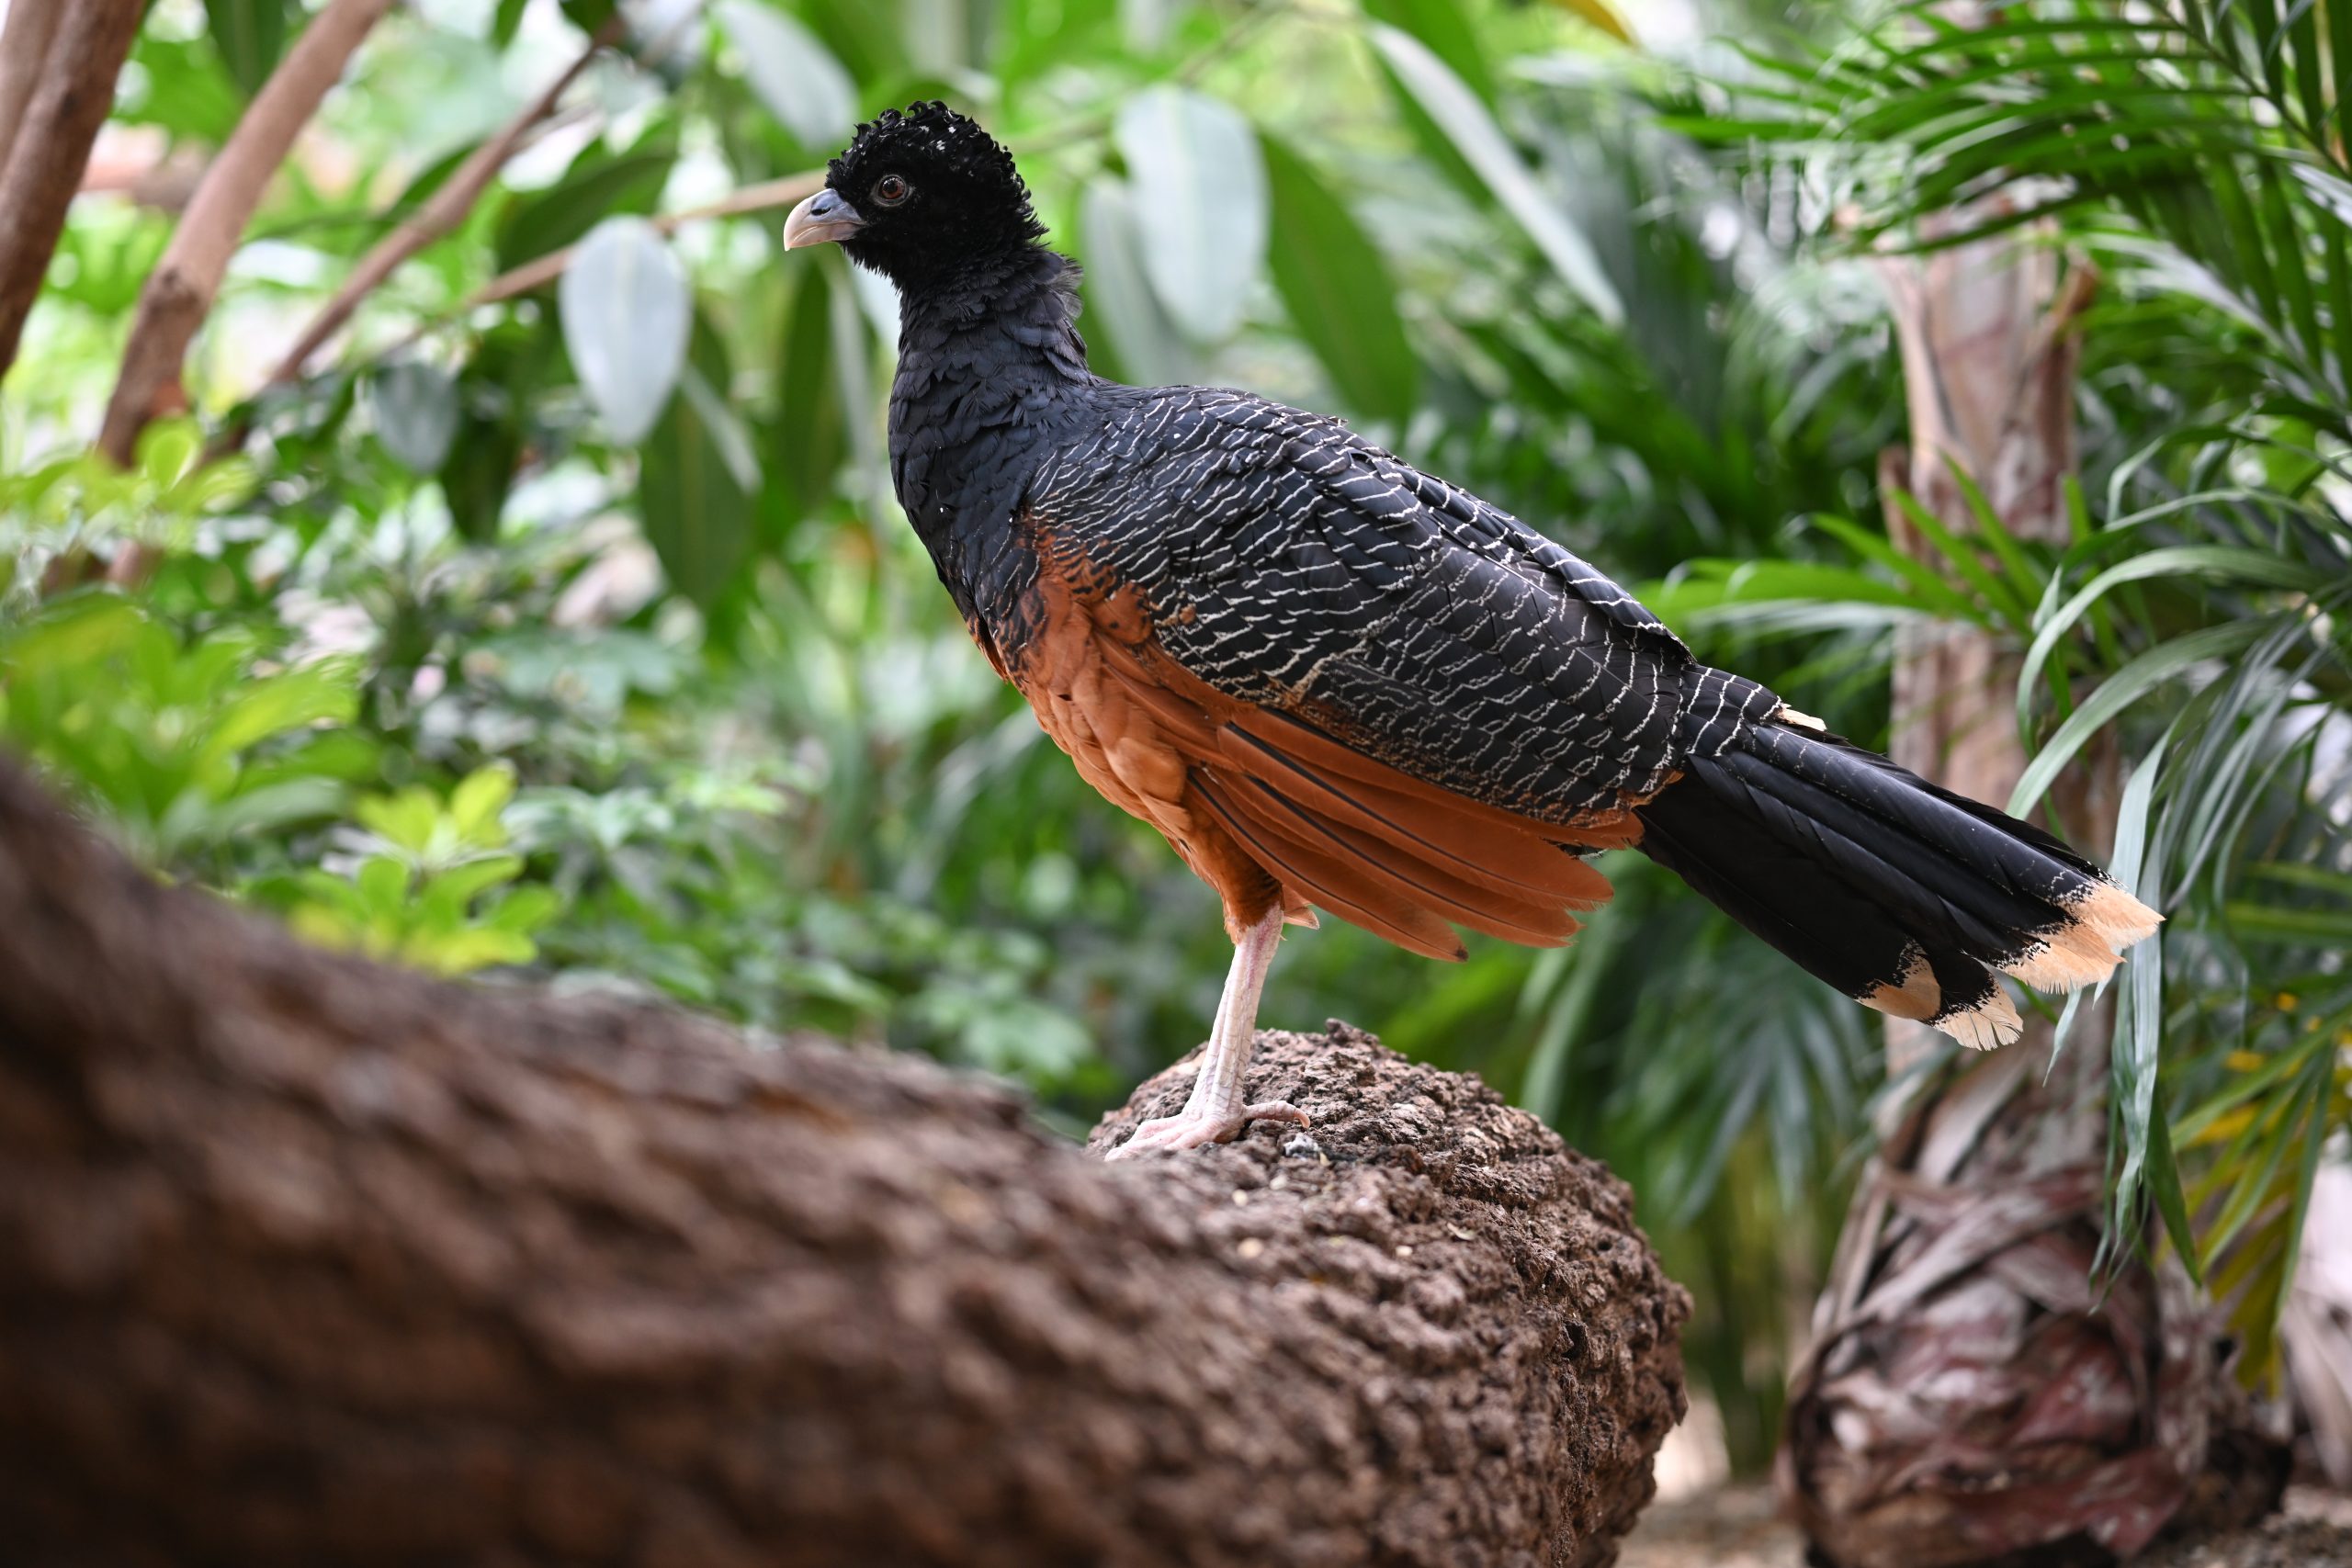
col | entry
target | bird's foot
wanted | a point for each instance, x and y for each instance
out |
(1188, 1129)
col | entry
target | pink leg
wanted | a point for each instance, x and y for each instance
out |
(1213, 1114)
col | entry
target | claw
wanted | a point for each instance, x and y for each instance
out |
(1190, 1130)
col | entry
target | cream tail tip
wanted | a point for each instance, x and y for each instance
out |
(1993, 1022)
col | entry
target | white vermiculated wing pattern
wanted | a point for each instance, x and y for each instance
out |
(1289, 563)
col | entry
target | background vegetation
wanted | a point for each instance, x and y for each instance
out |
(557, 621)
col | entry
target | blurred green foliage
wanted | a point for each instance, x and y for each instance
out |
(754, 764)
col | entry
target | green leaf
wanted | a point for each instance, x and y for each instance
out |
(694, 498)
(509, 364)
(459, 885)
(249, 35)
(1457, 111)
(562, 213)
(314, 694)
(2207, 564)
(1144, 344)
(2125, 687)
(1335, 283)
(383, 882)
(416, 408)
(1200, 204)
(811, 432)
(627, 315)
(189, 90)
(406, 820)
(483, 454)
(475, 804)
(2164, 1182)
(1446, 30)
(794, 73)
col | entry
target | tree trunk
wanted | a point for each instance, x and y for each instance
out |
(1971, 1396)
(307, 1260)
(58, 63)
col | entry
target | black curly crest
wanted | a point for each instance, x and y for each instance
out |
(967, 201)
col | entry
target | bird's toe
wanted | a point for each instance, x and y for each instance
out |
(1188, 1129)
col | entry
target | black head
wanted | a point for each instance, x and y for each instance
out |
(919, 194)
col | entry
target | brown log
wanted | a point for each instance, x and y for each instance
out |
(178, 294)
(307, 1260)
(52, 117)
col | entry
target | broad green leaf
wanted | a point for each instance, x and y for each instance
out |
(1144, 344)
(383, 882)
(451, 890)
(416, 408)
(567, 209)
(626, 313)
(1447, 30)
(794, 73)
(479, 471)
(1960, 556)
(693, 494)
(2133, 1065)
(1200, 204)
(588, 16)
(1456, 110)
(313, 694)
(250, 36)
(406, 821)
(167, 448)
(870, 39)
(1335, 283)
(810, 435)
(475, 804)
(189, 90)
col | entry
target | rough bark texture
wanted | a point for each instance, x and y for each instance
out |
(304, 1260)
(1968, 1397)
(47, 139)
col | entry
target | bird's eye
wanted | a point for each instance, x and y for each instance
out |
(890, 191)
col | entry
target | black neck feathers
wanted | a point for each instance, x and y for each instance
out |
(990, 367)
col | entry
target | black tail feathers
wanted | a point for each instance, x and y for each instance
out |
(1905, 896)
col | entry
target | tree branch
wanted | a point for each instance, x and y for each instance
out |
(179, 293)
(439, 213)
(24, 50)
(304, 1259)
(47, 139)
(540, 271)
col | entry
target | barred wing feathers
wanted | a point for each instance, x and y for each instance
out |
(1382, 696)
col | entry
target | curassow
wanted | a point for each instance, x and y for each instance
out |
(1334, 682)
